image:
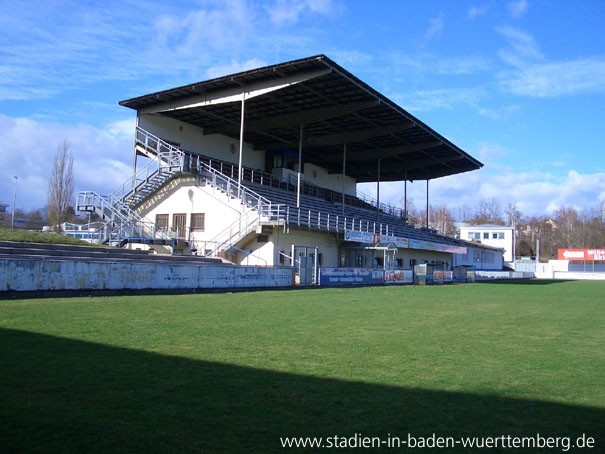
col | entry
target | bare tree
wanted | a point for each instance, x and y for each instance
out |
(60, 187)
(568, 228)
(513, 216)
(464, 213)
(488, 212)
(441, 220)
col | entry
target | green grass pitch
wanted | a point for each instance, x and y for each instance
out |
(235, 372)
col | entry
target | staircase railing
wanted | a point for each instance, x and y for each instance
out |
(165, 158)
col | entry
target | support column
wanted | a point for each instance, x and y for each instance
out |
(134, 161)
(344, 163)
(241, 146)
(378, 194)
(300, 139)
(405, 196)
(427, 203)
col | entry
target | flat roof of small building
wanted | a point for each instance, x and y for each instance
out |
(486, 226)
(333, 107)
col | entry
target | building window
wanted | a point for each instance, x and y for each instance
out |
(198, 222)
(494, 236)
(161, 221)
(179, 224)
(486, 235)
(500, 235)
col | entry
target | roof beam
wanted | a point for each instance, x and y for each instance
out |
(421, 164)
(234, 94)
(371, 154)
(349, 137)
(296, 119)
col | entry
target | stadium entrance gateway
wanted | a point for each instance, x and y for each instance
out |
(250, 165)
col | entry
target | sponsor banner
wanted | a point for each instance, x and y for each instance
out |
(400, 242)
(430, 246)
(399, 277)
(597, 254)
(582, 254)
(438, 277)
(416, 244)
(361, 237)
(396, 240)
(339, 276)
(451, 249)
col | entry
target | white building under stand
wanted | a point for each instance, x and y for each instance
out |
(497, 236)
(261, 167)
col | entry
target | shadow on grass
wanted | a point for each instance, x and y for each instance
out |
(62, 395)
(525, 281)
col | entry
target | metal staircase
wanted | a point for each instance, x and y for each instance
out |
(168, 161)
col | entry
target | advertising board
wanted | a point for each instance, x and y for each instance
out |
(399, 277)
(582, 254)
(338, 276)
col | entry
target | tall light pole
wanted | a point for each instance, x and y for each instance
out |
(14, 199)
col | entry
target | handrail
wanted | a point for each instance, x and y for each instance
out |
(248, 254)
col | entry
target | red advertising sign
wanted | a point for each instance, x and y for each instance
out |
(582, 254)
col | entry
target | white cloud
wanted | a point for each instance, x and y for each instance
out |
(445, 98)
(234, 67)
(435, 29)
(532, 76)
(558, 78)
(102, 157)
(534, 193)
(288, 12)
(517, 8)
(522, 48)
(438, 64)
(56, 48)
(476, 11)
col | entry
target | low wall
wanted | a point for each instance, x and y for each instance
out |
(35, 275)
(487, 275)
(579, 275)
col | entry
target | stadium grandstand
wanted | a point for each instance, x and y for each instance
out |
(261, 168)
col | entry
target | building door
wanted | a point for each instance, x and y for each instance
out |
(305, 264)
(179, 225)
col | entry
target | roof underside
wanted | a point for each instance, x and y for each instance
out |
(334, 107)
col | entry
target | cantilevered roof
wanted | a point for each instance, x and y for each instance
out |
(334, 108)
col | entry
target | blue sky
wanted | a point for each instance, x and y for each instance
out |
(518, 84)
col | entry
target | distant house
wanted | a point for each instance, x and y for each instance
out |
(497, 236)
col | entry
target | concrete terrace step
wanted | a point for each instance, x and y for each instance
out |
(9, 249)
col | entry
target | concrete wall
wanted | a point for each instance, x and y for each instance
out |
(320, 177)
(579, 275)
(491, 275)
(192, 138)
(32, 275)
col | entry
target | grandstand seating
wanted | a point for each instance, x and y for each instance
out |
(315, 211)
